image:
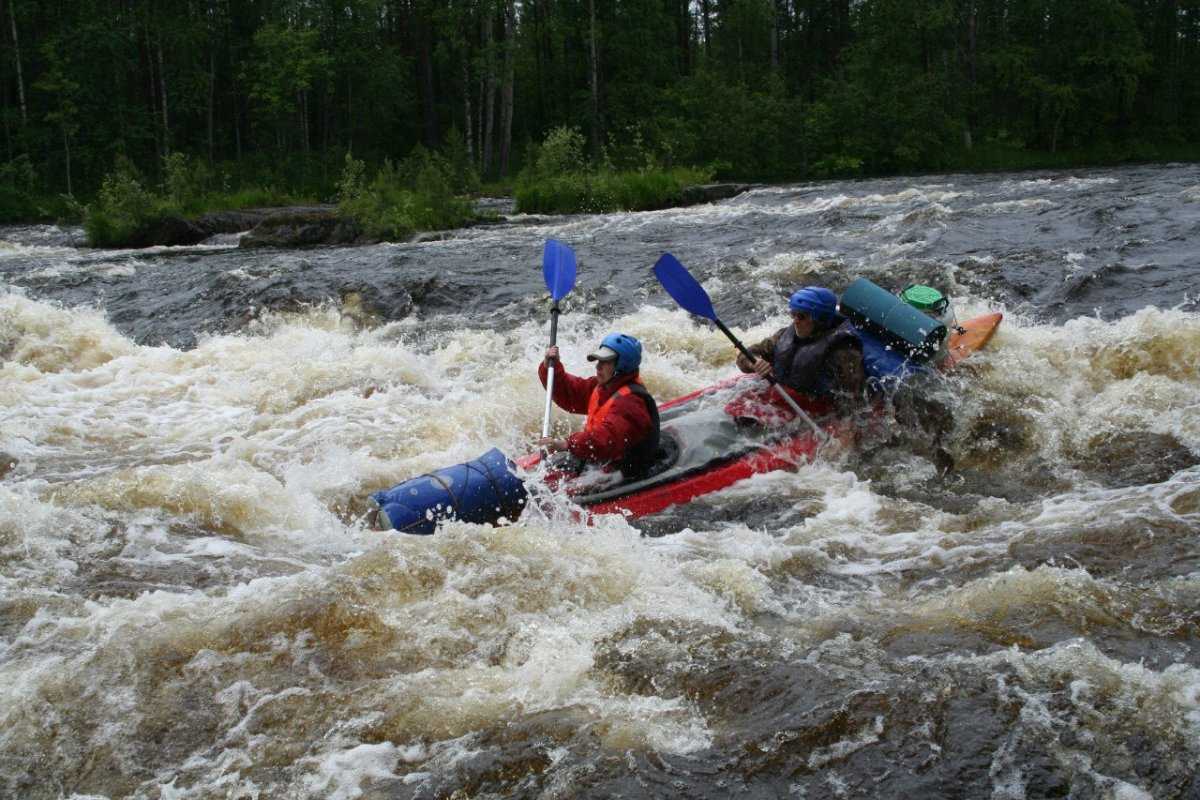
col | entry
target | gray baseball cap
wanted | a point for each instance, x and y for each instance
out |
(603, 354)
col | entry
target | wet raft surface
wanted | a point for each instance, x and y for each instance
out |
(190, 607)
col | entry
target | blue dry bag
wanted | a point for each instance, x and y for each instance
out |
(482, 491)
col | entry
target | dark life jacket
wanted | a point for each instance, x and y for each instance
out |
(802, 363)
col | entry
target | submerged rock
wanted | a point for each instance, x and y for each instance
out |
(303, 228)
(177, 231)
(234, 221)
(1135, 458)
(167, 232)
(711, 192)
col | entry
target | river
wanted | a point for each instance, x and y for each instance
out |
(192, 607)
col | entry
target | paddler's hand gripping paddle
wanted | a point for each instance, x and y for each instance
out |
(689, 294)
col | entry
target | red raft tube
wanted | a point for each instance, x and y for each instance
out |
(711, 439)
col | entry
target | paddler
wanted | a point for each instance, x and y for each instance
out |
(818, 354)
(622, 428)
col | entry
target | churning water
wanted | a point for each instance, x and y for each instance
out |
(191, 607)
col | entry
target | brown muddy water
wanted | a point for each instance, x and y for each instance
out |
(191, 606)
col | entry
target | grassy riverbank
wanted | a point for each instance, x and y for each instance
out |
(559, 179)
(127, 203)
(421, 193)
(603, 191)
(999, 157)
(430, 190)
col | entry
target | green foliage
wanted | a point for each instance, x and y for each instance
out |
(350, 185)
(263, 99)
(256, 197)
(463, 177)
(126, 205)
(631, 150)
(23, 199)
(123, 206)
(599, 192)
(18, 185)
(559, 179)
(994, 155)
(560, 154)
(289, 60)
(16, 206)
(19, 174)
(57, 83)
(838, 166)
(416, 195)
(893, 106)
(757, 132)
(187, 183)
(65, 210)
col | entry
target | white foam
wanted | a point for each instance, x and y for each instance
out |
(340, 775)
(232, 470)
(1014, 206)
(20, 250)
(1070, 183)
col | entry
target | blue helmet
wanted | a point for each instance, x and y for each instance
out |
(624, 348)
(816, 301)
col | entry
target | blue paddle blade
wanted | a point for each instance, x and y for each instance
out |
(558, 267)
(680, 284)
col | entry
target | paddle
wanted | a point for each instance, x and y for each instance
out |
(689, 294)
(558, 268)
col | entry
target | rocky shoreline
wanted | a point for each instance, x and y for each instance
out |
(312, 226)
(302, 224)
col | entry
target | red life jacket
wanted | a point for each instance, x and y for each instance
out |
(640, 456)
(596, 411)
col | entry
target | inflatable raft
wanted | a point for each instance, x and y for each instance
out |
(711, 439)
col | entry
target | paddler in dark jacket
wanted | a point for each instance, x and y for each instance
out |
(622, 418)
(819, 354)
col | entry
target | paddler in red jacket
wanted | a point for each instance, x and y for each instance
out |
(622, 428)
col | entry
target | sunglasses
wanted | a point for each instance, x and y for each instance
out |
(801, 315)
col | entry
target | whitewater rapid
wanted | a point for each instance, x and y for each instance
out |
(191, 605)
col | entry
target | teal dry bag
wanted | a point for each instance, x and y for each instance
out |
(915, 335)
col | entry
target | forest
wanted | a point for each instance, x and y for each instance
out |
(277, 93)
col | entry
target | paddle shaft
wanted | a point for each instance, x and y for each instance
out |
(771, 379)
(554, 312)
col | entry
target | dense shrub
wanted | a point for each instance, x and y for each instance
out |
(560, 154)
(598, 192)
(18, 184)
(415, 195)
(560, 180)
(24, 198)
(123, 206)
(126, 203)
(459, 169)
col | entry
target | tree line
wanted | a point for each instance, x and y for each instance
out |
(279, 91)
